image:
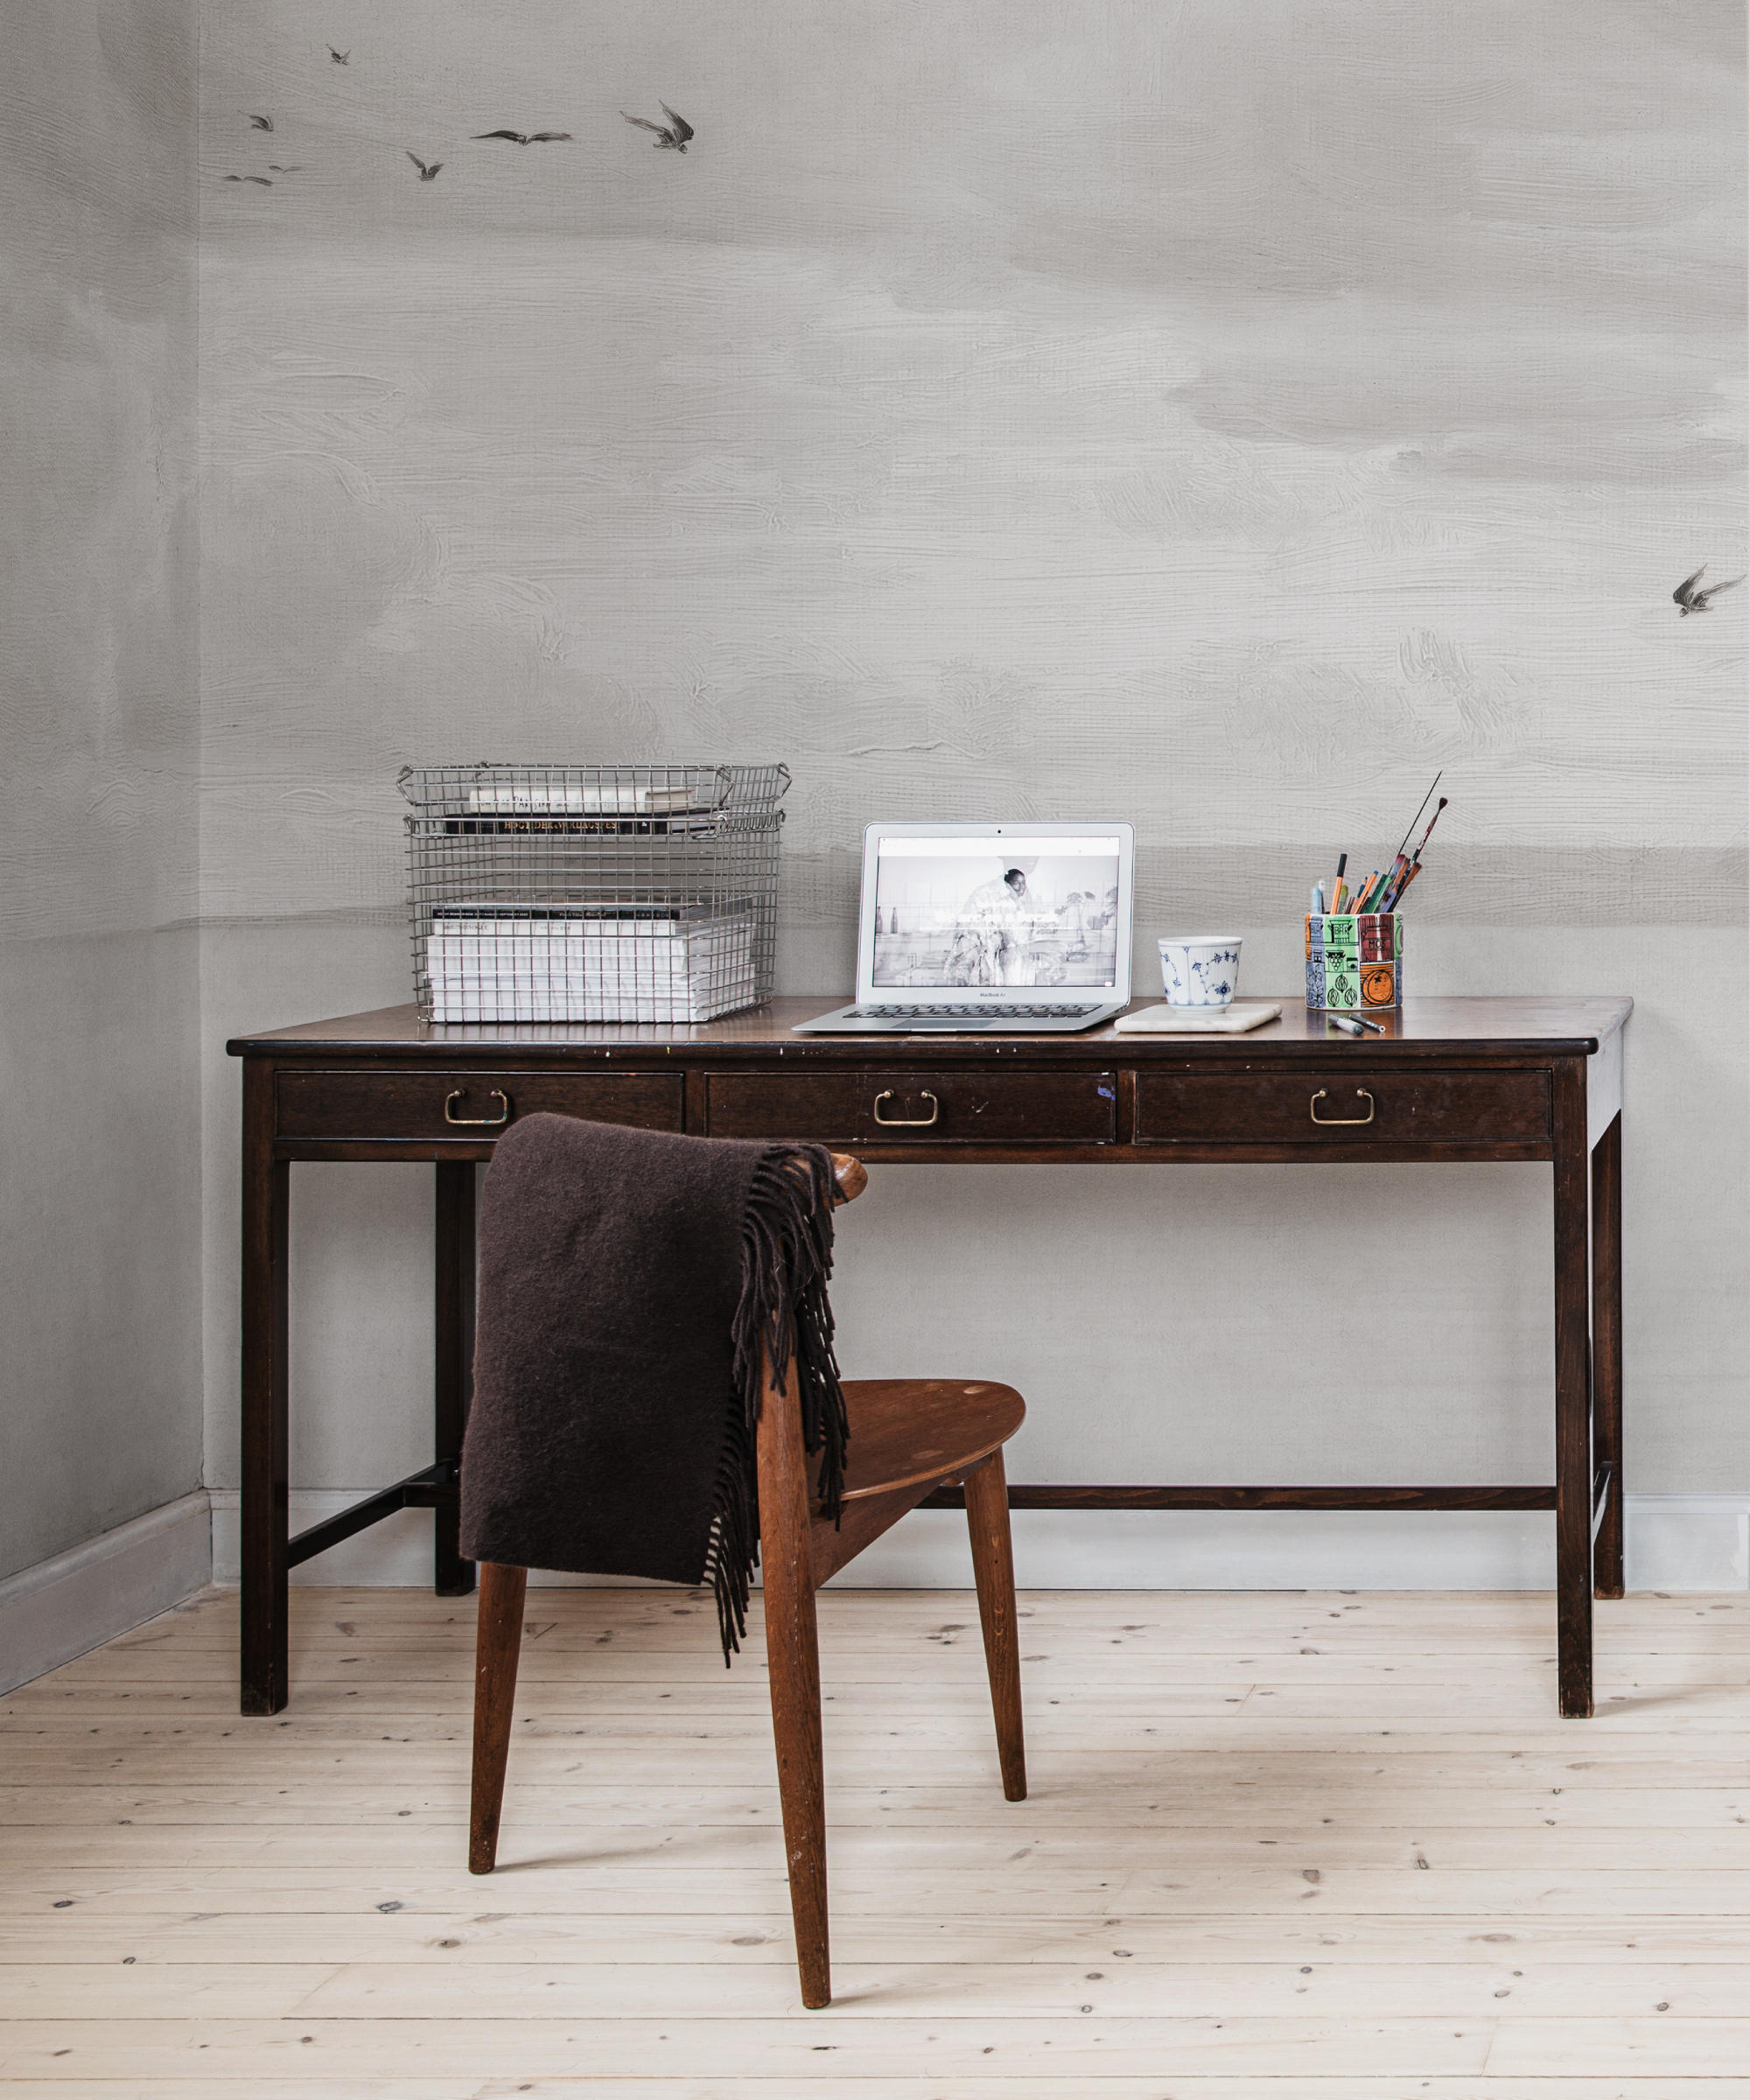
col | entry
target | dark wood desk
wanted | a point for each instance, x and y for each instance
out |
(1452, 1079)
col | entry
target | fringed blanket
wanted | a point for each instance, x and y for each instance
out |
(627, 1280)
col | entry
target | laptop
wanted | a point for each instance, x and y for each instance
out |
(1015, 929)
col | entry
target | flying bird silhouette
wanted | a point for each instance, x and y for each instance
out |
(670, 137)
(274, 168)
(262, 123)
(1689, 600)
(341, 58)
(262, 179)
(524, 139)
(426, 174)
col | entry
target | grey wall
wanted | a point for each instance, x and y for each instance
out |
(1219, 414)
(100, 1131)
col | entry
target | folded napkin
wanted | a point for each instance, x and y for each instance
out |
(1237, 1019)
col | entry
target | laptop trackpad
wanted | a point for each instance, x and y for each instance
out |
(947, 1027)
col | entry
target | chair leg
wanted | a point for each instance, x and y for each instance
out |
(498, 1645)
(993, 1565)
(792, 1662)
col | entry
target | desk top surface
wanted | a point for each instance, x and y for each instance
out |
(1424, 1028)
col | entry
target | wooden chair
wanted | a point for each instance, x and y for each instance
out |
(907, 1437)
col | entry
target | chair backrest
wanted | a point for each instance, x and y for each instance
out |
(779, 1444)
(622, 1274)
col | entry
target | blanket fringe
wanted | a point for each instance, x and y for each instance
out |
(786, 1262)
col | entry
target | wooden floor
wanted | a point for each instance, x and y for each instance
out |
(1278, 1844)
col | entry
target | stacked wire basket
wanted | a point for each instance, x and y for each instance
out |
(619, 893)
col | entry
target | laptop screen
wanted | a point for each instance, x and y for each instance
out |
(972, 914)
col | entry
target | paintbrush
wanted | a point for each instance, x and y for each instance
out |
(1404, 872)
(1416, 819)
(1432, 821)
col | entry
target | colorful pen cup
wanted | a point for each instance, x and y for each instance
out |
(1354, 961)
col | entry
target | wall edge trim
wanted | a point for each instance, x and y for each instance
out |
(64, 1606)
(1696, 1542)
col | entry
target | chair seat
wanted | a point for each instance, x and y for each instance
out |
(908, 1431)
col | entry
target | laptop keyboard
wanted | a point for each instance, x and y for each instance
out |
(968, 1013)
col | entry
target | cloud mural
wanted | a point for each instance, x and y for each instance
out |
(1199, 411)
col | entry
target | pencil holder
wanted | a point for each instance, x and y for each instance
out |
(1354, 960)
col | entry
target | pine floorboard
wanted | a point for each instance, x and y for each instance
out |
(1310, 1847)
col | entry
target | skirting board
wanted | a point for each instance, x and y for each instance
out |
(1675, 1542)
(59, 1608)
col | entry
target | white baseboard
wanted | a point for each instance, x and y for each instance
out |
(62, 1607)
(1686, 1542)
(1674, 1542)
(59, 1608)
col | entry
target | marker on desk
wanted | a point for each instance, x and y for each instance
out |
(1348, 1025)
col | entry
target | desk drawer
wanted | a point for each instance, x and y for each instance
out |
(411, 1105)
(1349, 1106)
(919, 1108)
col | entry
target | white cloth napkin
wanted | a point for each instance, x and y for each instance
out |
(1244, 1014)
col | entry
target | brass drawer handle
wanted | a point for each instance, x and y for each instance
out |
(906, 1122)
(479, 1122)
(1326, 1121)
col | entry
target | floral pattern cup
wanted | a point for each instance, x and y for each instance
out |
(1202, 970)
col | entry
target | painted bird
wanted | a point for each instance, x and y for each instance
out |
(672, 136)
(426, 174)
(1689, 600)
(524, 139)
(262, 123)
(262, 179)
(341, 58)
(274, 168)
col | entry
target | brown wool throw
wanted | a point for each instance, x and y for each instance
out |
(627, 1280)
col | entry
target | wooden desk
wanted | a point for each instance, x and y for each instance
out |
(1452, 1079)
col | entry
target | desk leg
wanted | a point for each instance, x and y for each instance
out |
(453, 1387)
(267, 1192)
(1573, 1424)
(1606, 1351)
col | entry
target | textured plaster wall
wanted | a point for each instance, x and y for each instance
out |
(1220, 415)
(100, 1275)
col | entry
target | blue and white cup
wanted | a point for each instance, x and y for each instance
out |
(1200, 970)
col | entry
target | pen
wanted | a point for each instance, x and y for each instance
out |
(1318, 901)
(1361, 1021)
(1342, 1021)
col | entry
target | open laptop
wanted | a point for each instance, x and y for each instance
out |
(1018, 928)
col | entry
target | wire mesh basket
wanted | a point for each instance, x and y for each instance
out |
(592, 892)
